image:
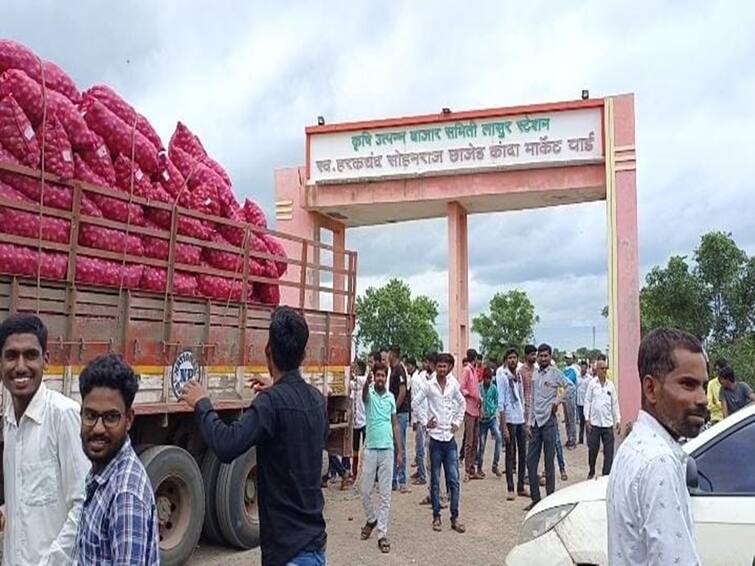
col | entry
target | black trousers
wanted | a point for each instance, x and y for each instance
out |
(543, 440)
(597, 435)
(516, 446)
(581, 415)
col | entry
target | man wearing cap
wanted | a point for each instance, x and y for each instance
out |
(571, 372)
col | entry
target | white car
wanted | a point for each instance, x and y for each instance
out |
(569, 526)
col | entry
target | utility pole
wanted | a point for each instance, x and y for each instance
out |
(593, 337)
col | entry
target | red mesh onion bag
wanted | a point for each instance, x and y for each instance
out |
(118, 135)
(28, 94)
(21, 260)
(17, 134)
(233, 234)
(159, 248)
(267, 293)
(13, 55)
(124, 169)
(112, 208)
(98, 271)
(276, 248)
(156, 279)
(99, 161)
(220, 288)
(58, 153)
(27, 224)
(170, 177)
(113, 101)
(111, 240)
(218, 259)
(254, 214)
(185, 140)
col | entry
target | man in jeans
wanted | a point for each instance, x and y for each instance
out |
(543, 421)
(602, 414)
(489, 421)
(470, 389)
(511, 407)
(419, 382)
(382, 439)
(443, 417)
(399, 387)
(571, 372)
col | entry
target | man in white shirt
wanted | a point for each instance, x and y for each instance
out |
(582, 382)
(419, 382)
(357, 384)
(513, 427)
(44, 466)
(602, 416)
(648, 505)
(443, 417)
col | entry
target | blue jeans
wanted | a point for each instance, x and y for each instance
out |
(335, 467)
(492, 426)
(447, 455)
(309, 558)
(399, 473)
(560, 452)
(419, 451)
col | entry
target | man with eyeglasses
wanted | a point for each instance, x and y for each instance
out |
(43, 467)
(119, 518)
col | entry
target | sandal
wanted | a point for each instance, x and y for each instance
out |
(457, 526)
(437, 526)
(384, 545)
(367, 529)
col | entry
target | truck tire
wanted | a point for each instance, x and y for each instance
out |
(179, 496)
(211, 527)
(236, 501)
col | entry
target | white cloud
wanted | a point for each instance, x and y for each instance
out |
(248, 77)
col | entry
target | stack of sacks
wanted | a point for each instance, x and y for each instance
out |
(29, 224)
(99, 138)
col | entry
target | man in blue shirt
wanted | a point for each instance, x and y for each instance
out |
(383, 438)
(571, 372)
(489, 421)
(118, 523)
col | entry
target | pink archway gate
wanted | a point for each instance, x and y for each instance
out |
(453, 164)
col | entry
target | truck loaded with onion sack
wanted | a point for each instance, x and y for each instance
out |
(121, 244)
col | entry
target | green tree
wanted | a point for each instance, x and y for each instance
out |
(674, 296)
(510, 323)
(720, 265)
(390, 315)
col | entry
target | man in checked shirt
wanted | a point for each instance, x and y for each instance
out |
(118, 522)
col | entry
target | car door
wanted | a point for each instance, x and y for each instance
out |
(724, 504)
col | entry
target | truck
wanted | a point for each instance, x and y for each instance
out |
(168, 339)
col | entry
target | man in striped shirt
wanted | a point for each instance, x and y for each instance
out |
(118, 522)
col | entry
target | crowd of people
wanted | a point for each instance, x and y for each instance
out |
(515, 401)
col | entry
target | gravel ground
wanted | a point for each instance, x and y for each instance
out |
(492, 525)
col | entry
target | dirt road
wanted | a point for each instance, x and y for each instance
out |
(492, 525)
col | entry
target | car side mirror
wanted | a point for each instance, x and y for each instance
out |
(693, 480)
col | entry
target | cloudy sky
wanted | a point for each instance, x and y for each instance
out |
(249, 76)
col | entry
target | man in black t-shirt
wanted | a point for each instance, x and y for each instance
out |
(397, 386)
(734, 394)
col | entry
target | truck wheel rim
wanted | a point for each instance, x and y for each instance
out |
(173, 501)
(250, 495)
